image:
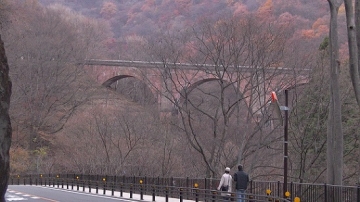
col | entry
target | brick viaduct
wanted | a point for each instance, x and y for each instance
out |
(185, 77)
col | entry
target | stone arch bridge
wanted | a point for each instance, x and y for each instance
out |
(169, 82)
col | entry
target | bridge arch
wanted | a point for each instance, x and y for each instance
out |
(112, 80)
(232, 95)
(188, 89)
(196, 84)
(150, 94)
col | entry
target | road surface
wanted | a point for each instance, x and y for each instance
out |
(49, 194)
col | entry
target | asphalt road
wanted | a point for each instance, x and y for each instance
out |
(48, 194)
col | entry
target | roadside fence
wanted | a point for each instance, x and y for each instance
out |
(190, 188)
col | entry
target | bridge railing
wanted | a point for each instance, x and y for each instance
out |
(187, 188)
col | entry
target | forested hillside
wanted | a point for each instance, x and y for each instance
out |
(131, 19)
(140, 17)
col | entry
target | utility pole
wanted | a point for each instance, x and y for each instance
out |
(286, 109)
(284, 122)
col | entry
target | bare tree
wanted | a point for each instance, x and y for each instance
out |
(125, 139)
(309, 111)
(223, 96)
(309, 114)
(112, 136)
(49, 85)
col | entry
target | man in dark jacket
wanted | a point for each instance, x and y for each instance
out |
(241, 181)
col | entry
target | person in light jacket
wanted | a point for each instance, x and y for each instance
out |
(225, 185)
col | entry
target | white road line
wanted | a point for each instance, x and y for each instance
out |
(25, 195)
(88, 194)
(17, 198)
(10, 197)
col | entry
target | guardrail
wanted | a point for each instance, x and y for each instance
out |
(187, 188)
(154, 187)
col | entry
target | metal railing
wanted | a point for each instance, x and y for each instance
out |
(201, 189)
(176, 188)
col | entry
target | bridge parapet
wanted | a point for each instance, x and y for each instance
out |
(186, 66)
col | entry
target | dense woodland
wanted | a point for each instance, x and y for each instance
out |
(130, 21)
(63, 121)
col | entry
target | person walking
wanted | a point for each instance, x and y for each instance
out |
(241, 182)
(225, 184)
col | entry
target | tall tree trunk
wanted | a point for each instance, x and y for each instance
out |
(357, 29)
(352, 20)
(353, 48)
(5, 124)
(334, 131)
